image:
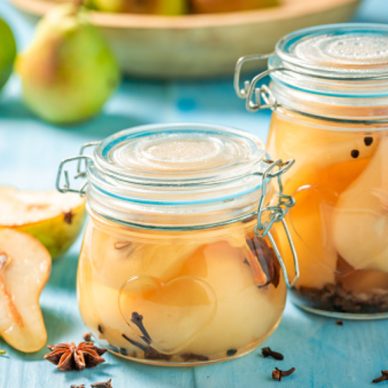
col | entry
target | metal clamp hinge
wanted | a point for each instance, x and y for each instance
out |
(267, 215)
(256, 97)
(64, 182)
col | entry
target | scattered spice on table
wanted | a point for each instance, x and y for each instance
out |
(268, 352)
(383, 377)
(68, 356)
(103, 384)
(278, 374)
(88, 337)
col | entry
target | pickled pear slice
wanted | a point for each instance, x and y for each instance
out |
(54, 219)
(315, 148)
(24, 270)
(114, 259)
(240, 303)
(360, 224)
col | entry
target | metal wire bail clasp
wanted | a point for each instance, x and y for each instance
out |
(267, 215)
(256, 97)
(75, 182)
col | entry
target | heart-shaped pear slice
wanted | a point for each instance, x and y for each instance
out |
(174, 312)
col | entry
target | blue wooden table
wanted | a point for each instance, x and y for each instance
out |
(324, 354)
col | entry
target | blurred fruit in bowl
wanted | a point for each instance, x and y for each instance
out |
(25, 266)
(54, 219)
(69, 71)
(214, 6)
(7, 52)
(200, 45)
(157, 7)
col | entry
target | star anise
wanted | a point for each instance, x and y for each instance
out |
(68, 356)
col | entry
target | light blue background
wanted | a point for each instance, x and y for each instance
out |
(324, 354)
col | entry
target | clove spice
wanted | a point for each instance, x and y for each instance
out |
(231, 352)
(149, 351)
(268, 352)
(137, 319)
(100, 328)
(102, 384)
(383, 377)
(278, 374)
(68, 217)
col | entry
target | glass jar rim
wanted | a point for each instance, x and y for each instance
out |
(348, 60)
(320, 49)
(212, 163)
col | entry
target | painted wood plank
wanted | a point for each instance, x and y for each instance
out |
(325, 355)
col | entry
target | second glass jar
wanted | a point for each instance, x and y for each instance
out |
(329, 96)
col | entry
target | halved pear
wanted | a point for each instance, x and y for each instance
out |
(360, 222)
(54, 219)
(24, 270)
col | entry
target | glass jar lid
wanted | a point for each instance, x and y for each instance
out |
(173, 175)
(180, 155)
(337, 72)
(338, 60)
(341, 50)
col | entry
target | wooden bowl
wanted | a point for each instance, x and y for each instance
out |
(198, 46)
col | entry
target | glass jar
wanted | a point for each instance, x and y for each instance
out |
(329, 96)
(178, 265)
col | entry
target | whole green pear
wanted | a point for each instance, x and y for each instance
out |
(7, 52)
(69, 71)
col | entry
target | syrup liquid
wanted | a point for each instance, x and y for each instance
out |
(340, 222)
(181, 297)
